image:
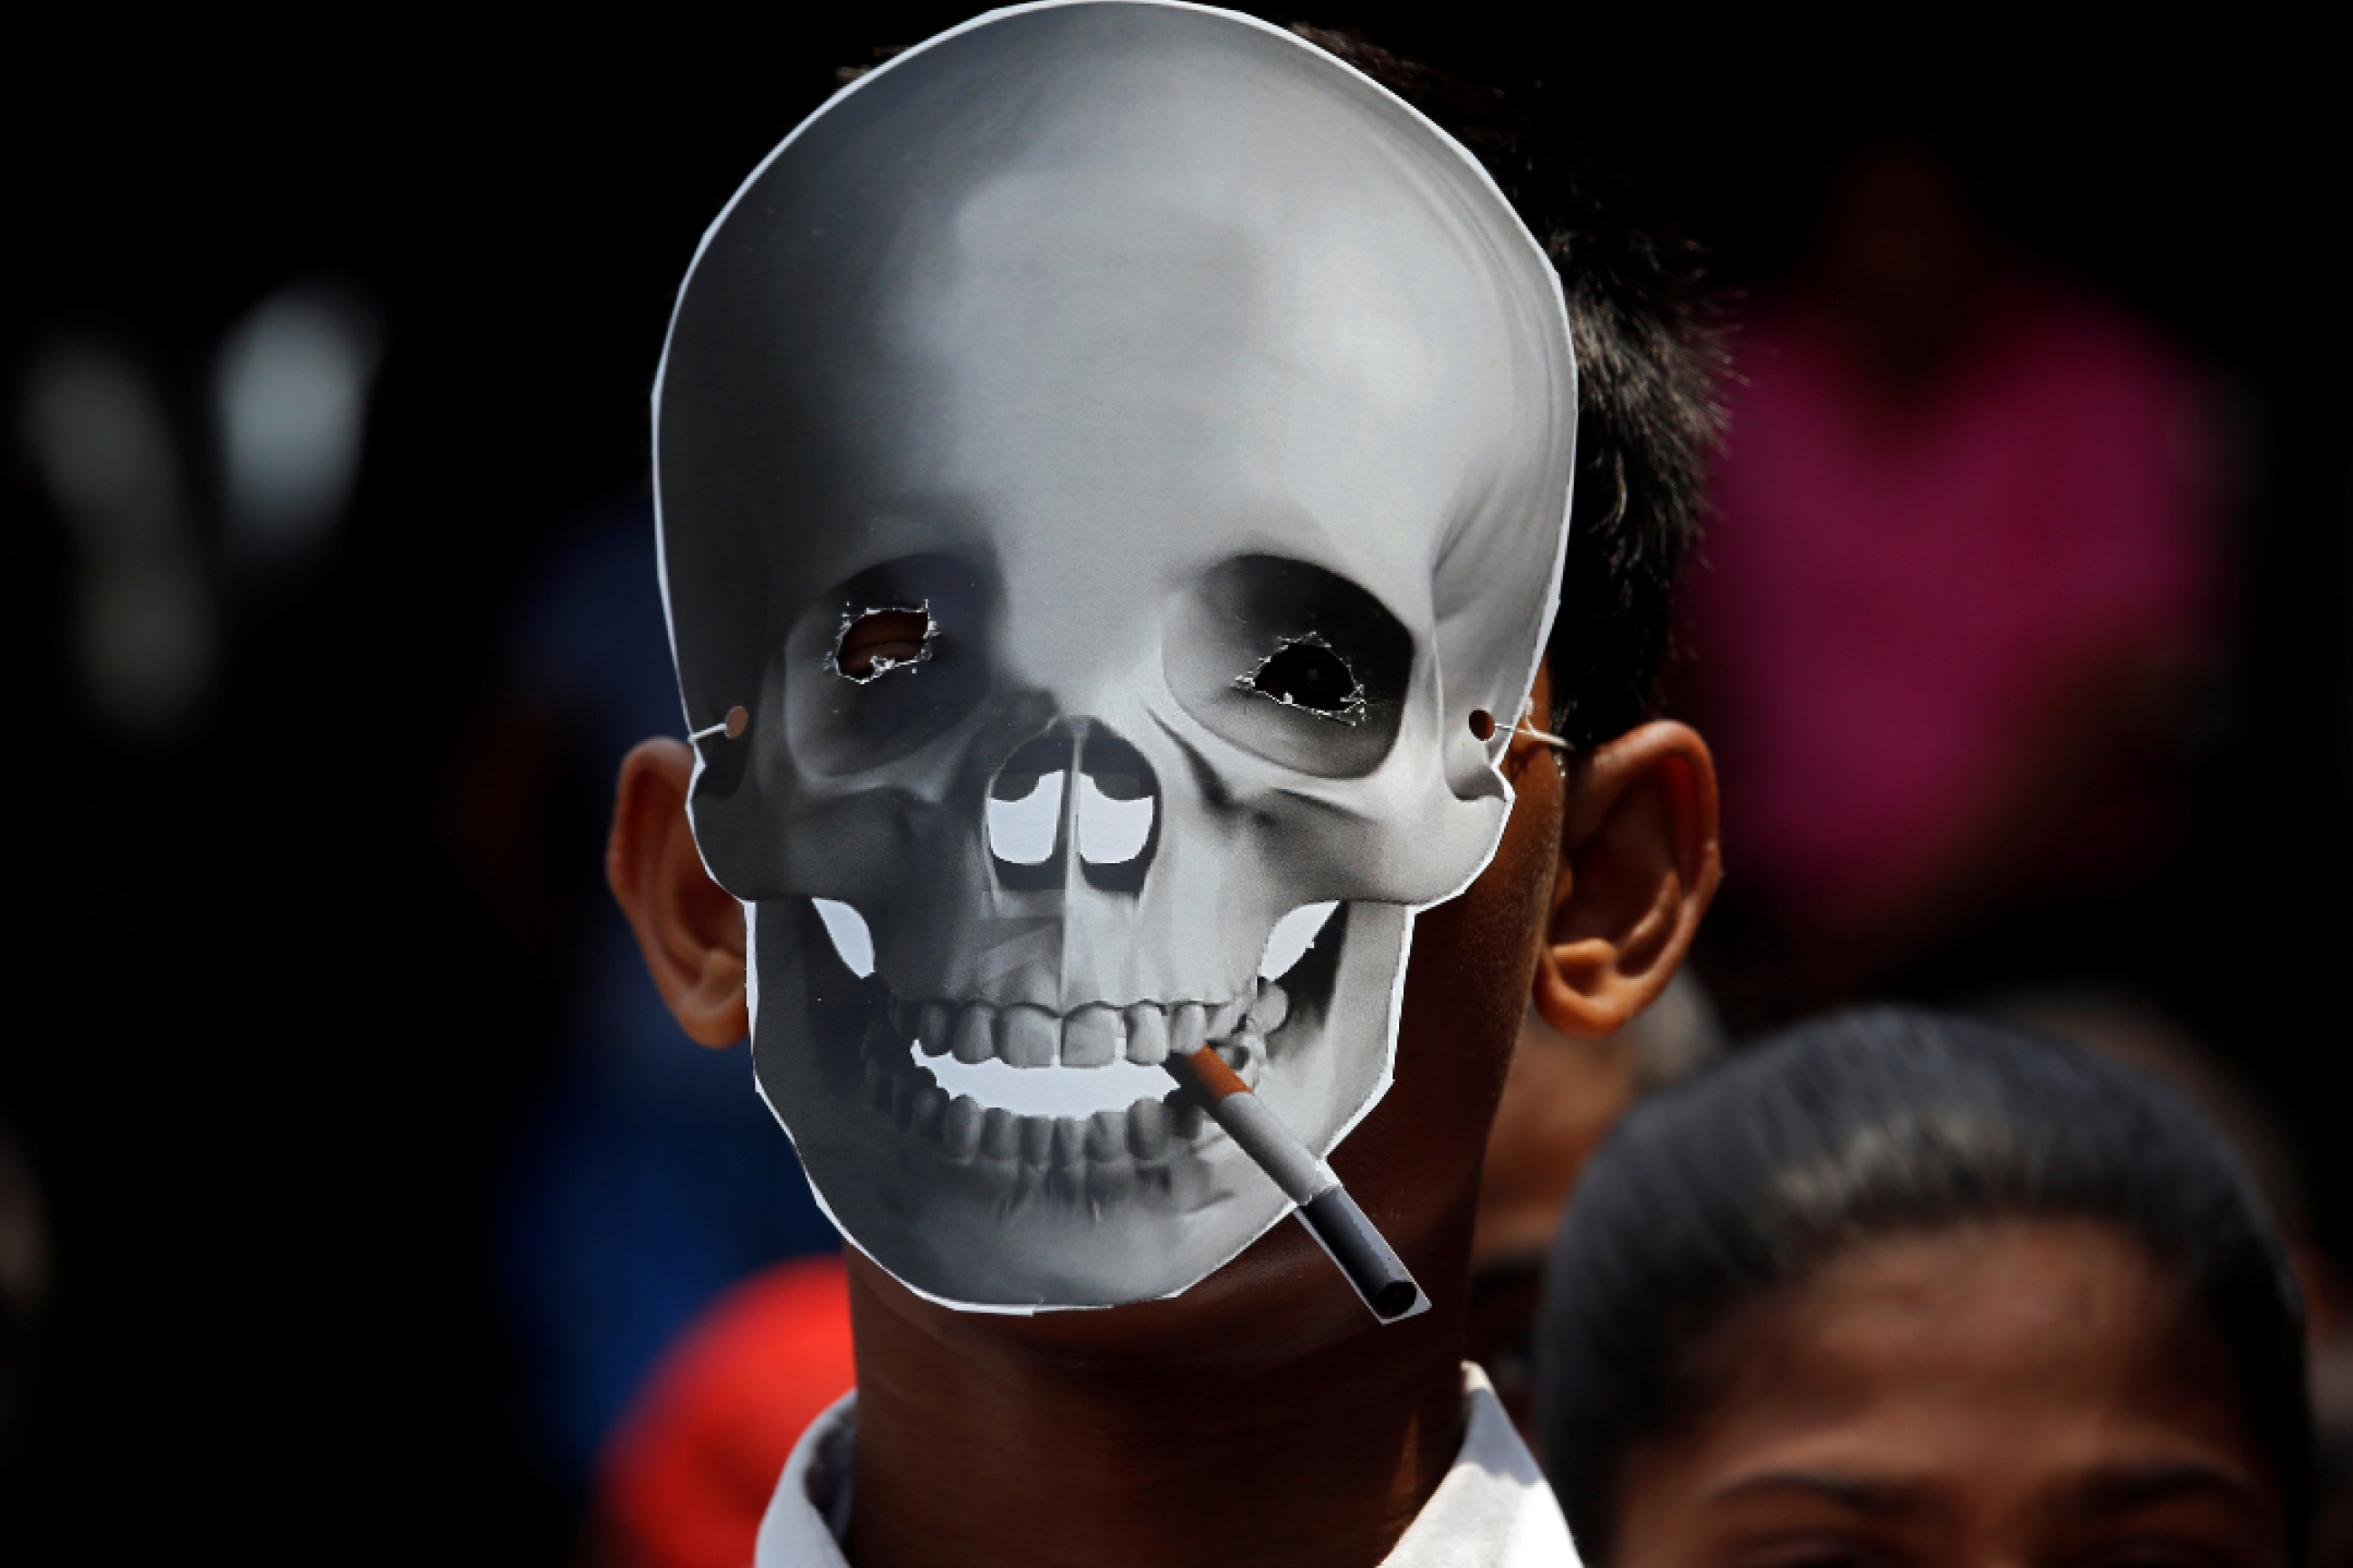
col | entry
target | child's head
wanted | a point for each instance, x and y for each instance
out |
(1048, 405)
(1903, 1289)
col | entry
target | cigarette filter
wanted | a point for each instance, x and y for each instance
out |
(1331, 1215)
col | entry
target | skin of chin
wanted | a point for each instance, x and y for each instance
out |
(1958, 1400)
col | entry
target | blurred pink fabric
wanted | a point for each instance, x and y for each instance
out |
(1893, 595)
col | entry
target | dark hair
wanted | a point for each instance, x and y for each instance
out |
(1870, 1124)
(1648, 354)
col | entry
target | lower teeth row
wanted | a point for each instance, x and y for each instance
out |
(958, 1123)
(1145, 1127)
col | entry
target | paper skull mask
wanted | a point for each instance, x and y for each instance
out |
(1110, 452)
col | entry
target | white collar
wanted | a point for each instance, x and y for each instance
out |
(1493, 1509)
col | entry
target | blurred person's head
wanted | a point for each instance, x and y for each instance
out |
(1904, 1289)
(2133, 1029)
(1560, 1099)
(2128, 1027)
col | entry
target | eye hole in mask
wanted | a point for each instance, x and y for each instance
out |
(1323, 664)
(1305, 673)
(881, 640)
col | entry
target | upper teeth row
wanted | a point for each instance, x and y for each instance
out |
(1094, 1036)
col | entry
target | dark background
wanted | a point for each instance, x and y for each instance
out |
(266, 1048)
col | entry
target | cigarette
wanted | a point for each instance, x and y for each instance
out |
(1331, 1215)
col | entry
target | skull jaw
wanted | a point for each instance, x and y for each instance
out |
(1077, 1224)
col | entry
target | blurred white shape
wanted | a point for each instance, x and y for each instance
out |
(145, 636)
(95, 428)
(290, 395)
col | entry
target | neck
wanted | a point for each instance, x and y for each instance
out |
(1138, 1435)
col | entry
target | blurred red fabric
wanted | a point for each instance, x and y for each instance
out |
(688, 1472)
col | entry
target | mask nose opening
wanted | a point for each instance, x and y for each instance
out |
(1028, 815)
(1082, 798)
(1118, 813)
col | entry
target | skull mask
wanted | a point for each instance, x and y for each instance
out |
(1113, 453)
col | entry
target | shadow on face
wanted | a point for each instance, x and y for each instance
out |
(2021, 1394)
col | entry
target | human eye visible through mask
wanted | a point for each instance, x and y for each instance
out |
(881, 640)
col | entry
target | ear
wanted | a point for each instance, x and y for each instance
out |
(1639, 862)
(690, 930)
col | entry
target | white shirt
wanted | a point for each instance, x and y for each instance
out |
(1493, 1509)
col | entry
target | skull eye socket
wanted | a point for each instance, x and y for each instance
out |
(880, 641)
(1290, 661)
(1306, 674)
(882, 663)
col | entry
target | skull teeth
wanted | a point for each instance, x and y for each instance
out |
(1143, 1133)
(1091, 1037)
(961, 1125)
(1094, 1038)
(1027, 1037)
(1147, 1035)
(1112, 1112)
